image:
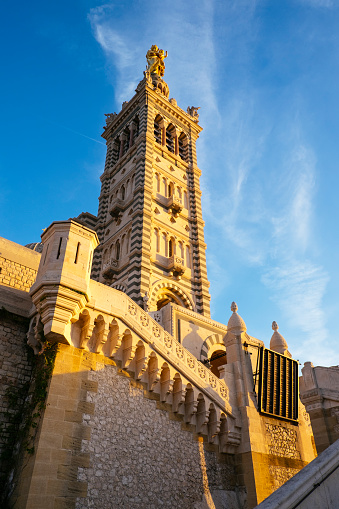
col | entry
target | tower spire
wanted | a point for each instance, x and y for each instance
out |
(149, 220)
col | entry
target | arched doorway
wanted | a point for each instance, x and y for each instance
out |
(219, 358)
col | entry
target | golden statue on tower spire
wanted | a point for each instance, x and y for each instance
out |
(155, 60)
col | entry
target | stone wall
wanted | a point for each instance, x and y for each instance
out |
(315, 486)
(319, 391)
(141, 458)
(18, 265)
(16, 275)
(103, 443)
(15, 375)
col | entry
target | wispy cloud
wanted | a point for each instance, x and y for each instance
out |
(298, 288)
(184, 31)
(118, 48)
(296, 283)
(292, 216)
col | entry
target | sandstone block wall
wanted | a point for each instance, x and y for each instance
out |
(18, 265)
(15, 375)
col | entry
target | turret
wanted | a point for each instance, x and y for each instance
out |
(61, 288)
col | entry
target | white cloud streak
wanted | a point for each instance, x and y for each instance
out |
(184, 31)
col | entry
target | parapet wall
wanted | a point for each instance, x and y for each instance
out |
(18, 265)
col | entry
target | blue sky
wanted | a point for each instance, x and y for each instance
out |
(265, 74)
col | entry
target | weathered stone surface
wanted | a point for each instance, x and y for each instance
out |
(15, 373)
(140, 458)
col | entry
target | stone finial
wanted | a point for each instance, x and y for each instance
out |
(236, 324)
(278, 342)
(234, 307)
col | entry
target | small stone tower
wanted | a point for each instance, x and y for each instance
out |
(61, 288)
(149, 220)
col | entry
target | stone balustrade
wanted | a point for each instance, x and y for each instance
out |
(113, 325)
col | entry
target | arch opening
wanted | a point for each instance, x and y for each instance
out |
(218, 358)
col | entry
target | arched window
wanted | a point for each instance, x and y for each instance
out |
(122, 192)
(170, 189)
(171, 247)
(157, 182)
(183, 147)
(117, 250)
(163, 246)
(115, 150)
(156, 240)
(126, 140)
(164, 187)
(170, 135)
(157, 129)
(165, 297)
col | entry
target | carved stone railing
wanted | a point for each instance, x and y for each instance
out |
(113, 325)
(165, 344)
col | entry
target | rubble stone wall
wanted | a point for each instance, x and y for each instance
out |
(139, 457)
(15, 375)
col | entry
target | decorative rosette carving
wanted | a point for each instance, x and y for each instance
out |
(132, 309)
(144, 319)
(212, 381)
(201, 371)
(190, 362)
(223, 392)
(168, 341)
(156, 331)
(180, 351)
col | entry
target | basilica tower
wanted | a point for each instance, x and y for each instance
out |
(149, 220)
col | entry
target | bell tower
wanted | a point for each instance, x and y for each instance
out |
(149, 220)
